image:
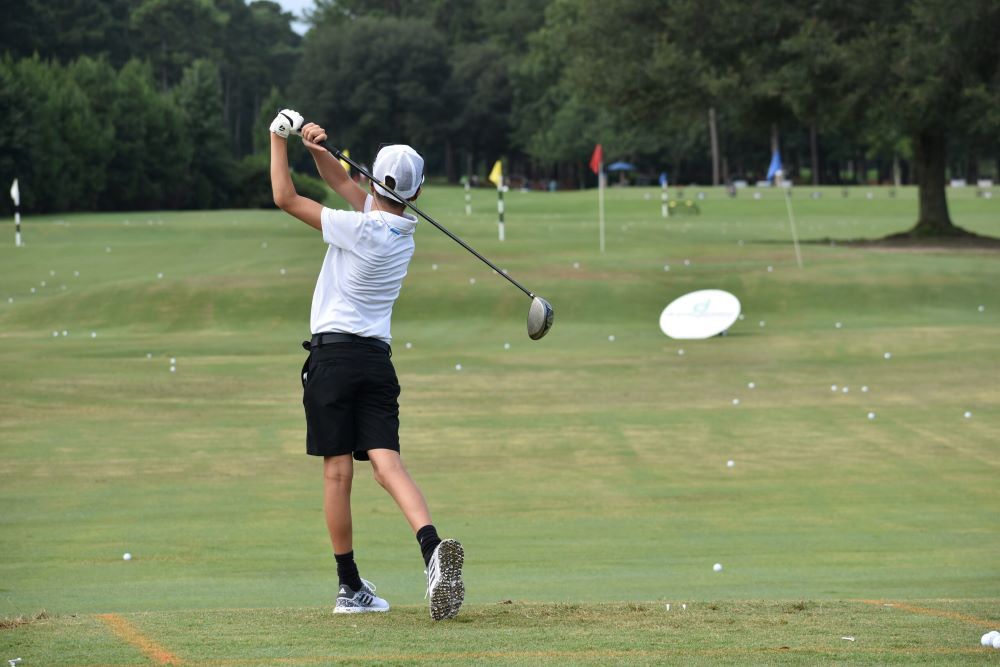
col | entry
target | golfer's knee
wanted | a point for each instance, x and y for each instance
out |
(387, 470)
(338, 473)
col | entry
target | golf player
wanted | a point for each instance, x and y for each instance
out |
(350, 389)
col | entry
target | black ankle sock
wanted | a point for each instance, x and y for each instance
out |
(428, 539)
(347, 571)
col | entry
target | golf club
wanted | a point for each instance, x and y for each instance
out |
(540, 313)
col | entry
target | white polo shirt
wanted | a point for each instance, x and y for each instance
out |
(362, 272)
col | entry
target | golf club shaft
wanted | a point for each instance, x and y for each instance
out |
(340, 156)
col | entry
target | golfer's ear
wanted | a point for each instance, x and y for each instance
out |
(416, 194)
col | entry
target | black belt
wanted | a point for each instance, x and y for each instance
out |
(331, 338)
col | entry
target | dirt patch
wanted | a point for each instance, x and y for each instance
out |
(9, 623)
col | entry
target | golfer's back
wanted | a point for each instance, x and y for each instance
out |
(362, 272)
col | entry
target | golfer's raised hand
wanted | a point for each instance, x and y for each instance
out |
(312, 134)
(287, 121)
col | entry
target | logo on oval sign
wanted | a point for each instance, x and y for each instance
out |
(701, 314)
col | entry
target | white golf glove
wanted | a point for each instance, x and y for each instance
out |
(287, 121)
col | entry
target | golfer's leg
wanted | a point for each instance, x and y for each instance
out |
(338, 473)
(392, 475)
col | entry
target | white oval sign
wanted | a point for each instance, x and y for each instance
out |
(700, 314)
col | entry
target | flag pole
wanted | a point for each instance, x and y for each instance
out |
(791, 222)
(600, 199)
(15, 194)
(500, 230)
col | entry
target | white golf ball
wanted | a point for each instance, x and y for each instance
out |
(996, 641)
(126, 556)
(472, 281)
(967, 415)
(434, 267)
(741, 317)
(680, 353)
(982, 309)
(506, 346)
(666, 267)
(845, 390)
(987, 639)
(93, 334)
(42, 283)
(458, 367)
(736, 401)
(887, 355)
(149, 355)
(730, 463)
(687, 262)
(159, 275)
(838, 325)
(409, 345)
(717, 567)
(107, 249)
(10, 299)
(833, 387)
(173, 369)
(264, 244)
(576, 265)
(762, 323)
(65, 333)
(751, 385)
(76, 274)
(282, 271)
(864, 389)
(871, 415)
(770, 269)
(611, 338)
(32, 290)
(173, 360)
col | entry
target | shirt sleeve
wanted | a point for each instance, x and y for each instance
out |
(342, 229)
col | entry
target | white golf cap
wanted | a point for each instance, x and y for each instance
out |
(403, 166)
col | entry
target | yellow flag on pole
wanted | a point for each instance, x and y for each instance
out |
(496, 175)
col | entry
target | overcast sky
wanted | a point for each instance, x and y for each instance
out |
(296, 7)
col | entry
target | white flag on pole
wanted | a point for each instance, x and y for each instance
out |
(15, 193)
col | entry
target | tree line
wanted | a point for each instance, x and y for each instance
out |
(849, 91)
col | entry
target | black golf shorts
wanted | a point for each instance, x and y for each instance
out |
(350, 393)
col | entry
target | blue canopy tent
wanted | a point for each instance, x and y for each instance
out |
(621, 166)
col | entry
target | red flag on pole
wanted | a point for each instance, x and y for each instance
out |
(596, 159)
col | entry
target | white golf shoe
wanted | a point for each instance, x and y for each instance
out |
(444, 580)
(359, 602)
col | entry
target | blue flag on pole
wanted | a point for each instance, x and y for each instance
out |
(775, 165)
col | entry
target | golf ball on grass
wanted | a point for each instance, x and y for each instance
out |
(996, 641)
(126, 556)
(887, 355)
(871, 415)
(730, 463)
(967, 415)
(611, 338)
(458, 367)
(717, 567)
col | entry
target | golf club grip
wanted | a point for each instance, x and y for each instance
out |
(336, 152)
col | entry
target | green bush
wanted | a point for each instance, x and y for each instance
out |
(253, 184)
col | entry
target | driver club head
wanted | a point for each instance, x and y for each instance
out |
(539, 318)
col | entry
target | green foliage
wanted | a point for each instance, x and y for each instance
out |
(209, 177)
(59, 147)
(373, 82)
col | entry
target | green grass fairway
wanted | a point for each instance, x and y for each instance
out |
(585, 473)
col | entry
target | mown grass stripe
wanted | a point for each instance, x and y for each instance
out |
(130, 634)
(940, 613)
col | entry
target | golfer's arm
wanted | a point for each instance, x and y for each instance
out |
(283, 190)
(337, 177)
